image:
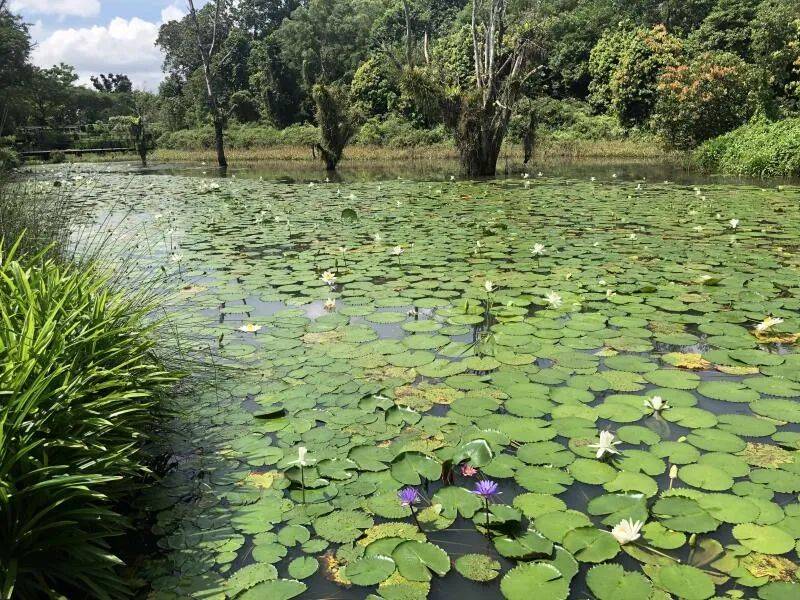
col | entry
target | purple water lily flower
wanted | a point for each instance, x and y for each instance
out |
(408, 496)
(486, 489)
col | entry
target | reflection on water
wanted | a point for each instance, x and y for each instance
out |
(603, 169)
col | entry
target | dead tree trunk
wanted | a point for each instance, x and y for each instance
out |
(205, 55)
(484, 117)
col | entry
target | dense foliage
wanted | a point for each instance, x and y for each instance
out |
(269, 55)
(79, 384)
(708, 97)
(757, 149)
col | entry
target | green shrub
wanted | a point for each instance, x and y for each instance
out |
(396, 132)
(79, 383)
(9, 158)
(757, 149)
(715, 93)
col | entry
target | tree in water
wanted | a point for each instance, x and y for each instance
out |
(336, 119)
(209, 75)
(477, 110)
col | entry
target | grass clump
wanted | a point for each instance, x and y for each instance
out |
(758, 149)
(79, 384)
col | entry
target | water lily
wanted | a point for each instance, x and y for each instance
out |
(302, 461)
(592, 178)
(538, 249)
(468, 471)
(377, 238)
(734, 223)
(397, 250)
(627, 531)
(488, 285)
(176, 258)
(486, 489)
(606, 445)
(526, 175)
(656, 403)
(673, 473)
(768, 323)
(540, 174)
(250, 328)
(408, 496)
(330, 304)
(554, 299)
(329, 278)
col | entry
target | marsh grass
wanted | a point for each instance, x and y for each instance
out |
(547, 150)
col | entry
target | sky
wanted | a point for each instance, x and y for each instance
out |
(101, 36)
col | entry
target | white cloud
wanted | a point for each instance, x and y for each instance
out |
(61, 8)
(172, 13)
(122, 46)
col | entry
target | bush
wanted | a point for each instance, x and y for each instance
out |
(395, 132)
(79, 384)
(9, 158)
(715, 93)
(757, 149)
(240, 137)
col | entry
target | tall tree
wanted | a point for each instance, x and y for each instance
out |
(478, 110)
(207, 49)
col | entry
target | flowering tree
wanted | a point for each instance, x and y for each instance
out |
(713, 94)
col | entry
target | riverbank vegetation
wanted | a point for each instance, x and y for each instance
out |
(760, 149)
(612, 68)
(80, 383)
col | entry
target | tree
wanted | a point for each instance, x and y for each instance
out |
(112, 83)
(774, 40)
(324, 41)
(478, 111)
(15, 71)
(727, 28)
(207, 48)
(625, 65)
(714, 93)
(337, 122)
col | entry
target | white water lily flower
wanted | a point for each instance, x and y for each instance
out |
(632, 236)
(526, 175)
(479, 244)
(488, 285)
(627, 531)
(176, 258)
(302, 460)
(537, 249)
(768, 324)
(554, 299)
(734, 223)
(452, 177)
(592, 178)
(330, 304)
(328, 277)
(250, 328)
(540, 174)
(656, 403)
(673, 471)
(397, 250)
(377, 237)
(606, 444)
(698, 228)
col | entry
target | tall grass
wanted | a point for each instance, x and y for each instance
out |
(78, 385)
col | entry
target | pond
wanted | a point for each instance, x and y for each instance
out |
(437, 334)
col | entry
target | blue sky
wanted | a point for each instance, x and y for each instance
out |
(101, 35)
